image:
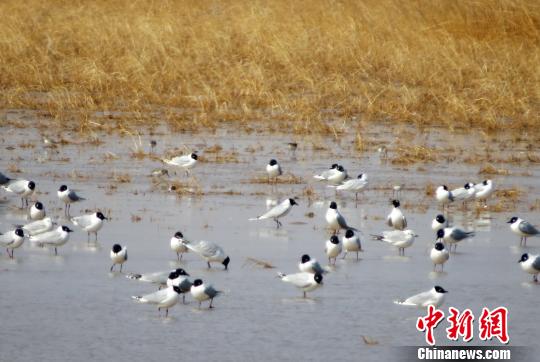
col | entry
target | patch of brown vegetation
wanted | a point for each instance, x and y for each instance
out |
(489, 169)
(408, 155)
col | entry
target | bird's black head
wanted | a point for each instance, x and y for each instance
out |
(197, 282)
(467, 186)
(226, 262)
(318, 278)
(360, 175)
(178, 235)
(440, 233)
(512, 220)
(396, 203)
(116, 248)
(333, 205)
(100, 216)
(340, 168)
(485, 182)
(439, 289)
(194, 156)
(334, 165)
(153, 143)
(38, 205)
(62, 188)
(173, 275)
(19, 232)
(66, 229)
(334, 239)
(440, 218)
(272, 162)
(445, 187)
(523, 258)
(31, 185)
(305, 258)
(439, 246)
(292, 202)
(349, 233)
(177, 289)
(181, 271)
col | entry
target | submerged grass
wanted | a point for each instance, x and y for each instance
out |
(316, 66)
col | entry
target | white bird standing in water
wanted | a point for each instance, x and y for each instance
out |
(434, 297)
(396, 219)
(307, 282)
(23, 188)
(201, 292)
(118, 255)
(439, 255)
(186, 162)
(68, 197)
(333, 248)
(335, 220)
(164, 298)
(12, 240)
(351, 243)
(353, 185)
(273, 169)
(91, 223)
(37, 211)
(277, 212)
(178, 246)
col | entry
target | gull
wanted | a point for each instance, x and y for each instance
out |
(443, 196)
(333, 248)
(68, 197)
(530, 264)
(179, 278)
(162, 278)
(23, 188)
(309, 265)
(523, 228)
(439, 255)
(439, 223)
(153, 144)
(186, 161)
(273, 169)
(434, 297)
(177, 245)
(399, 238)
(159, 172)
(396, 219)
(335, 220)
(307, 282)
(464, 193)
(4, 179)
(54, 238)
(12, 240)
(351, 243)
(453, 236)
(164, 298)
(37, 211)
(91, 223)
(326, 174)
(201, 292)
(338, 176)
(483, 190)
(277, 211)
(209, 251)
(383, 152)
(355, 185)
(118, 255)
(38, 227)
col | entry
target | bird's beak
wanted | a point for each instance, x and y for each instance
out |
(519, 261)
(105, 218)
(416, 235)
(69, 230)
(509, 222)
(188, 275)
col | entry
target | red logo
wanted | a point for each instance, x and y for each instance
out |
(460, 325)
(429, 323)
(494, 324)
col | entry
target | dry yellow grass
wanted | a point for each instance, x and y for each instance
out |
(201, 63)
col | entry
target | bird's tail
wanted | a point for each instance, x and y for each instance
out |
(138, 298)
(332, 186)
(377, 237)
(403, 302)
(281, 275)
(318, 177)
(134, 276)
(254, 218)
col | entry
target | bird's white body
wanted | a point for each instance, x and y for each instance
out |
(120, 257)
(38, 226)
(273, 170)
(186, 161)
(11, 240)
(19, 187)
(352, 244)
(396, 219)
(333, 250)
(531, 265)
(425, 299)
(399, 238)
(278, 211)
(209, 251)
(439, 257)
(55, 238)
(89, 223)
(436, 225)
(523, 228)
(483, 191)
(164, 298)
(464, 193)
(443, 196)
(202, 292)
(303, 281)
(355, 184)
(312, 266)
(178, 246)
(36, 214)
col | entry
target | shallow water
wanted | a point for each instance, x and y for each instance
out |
(70, 307)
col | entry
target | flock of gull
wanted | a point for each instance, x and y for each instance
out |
(42, 231)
